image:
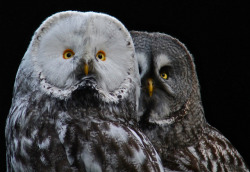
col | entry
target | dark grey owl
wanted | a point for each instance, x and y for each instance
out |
(171, 110)
(75, 100)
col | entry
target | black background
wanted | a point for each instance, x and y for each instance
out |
(215, 32)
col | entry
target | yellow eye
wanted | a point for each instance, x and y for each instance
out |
(101, 55)
(164, 75)
(68, 53)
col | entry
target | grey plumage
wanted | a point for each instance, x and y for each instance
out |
(75, 100)
(173, 117)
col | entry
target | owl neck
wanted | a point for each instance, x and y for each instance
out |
(90, 102)
(84, 104)
(183, 127)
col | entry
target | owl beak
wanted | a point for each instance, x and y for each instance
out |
(86, 68)
(150, 86)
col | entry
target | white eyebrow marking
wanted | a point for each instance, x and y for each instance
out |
(162, 60)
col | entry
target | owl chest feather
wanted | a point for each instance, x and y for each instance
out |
(63, 136)
(212, 152)
(201, 148)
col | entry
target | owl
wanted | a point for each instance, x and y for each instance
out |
(171, 111)
(75, 100)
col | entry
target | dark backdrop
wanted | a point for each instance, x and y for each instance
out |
(215, 32)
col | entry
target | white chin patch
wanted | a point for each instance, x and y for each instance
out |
(163, 121)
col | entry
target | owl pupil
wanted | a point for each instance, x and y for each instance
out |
(100, 56)
(68, 54)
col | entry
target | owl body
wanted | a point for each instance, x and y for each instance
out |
(70, 137)
(212, 152)
(171, 110)
(75, 100)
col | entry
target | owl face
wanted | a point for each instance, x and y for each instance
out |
(165, 75)
(72, 46)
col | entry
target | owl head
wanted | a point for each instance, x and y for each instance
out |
(73, 50)
(168, 77)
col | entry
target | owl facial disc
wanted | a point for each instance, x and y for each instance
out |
(70, 46)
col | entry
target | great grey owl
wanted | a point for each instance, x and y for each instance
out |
(75, 100)
(171, 110)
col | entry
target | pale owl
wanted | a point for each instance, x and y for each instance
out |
(75, 100)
